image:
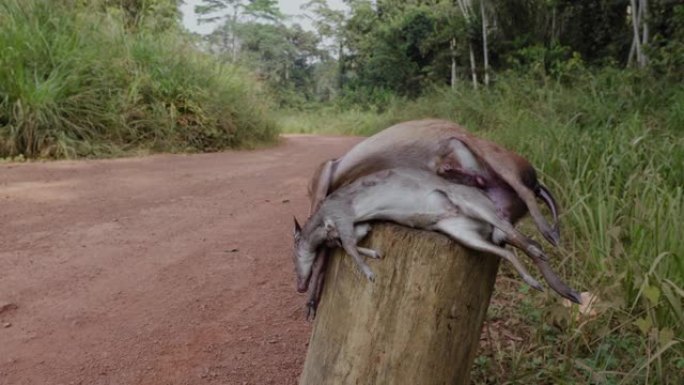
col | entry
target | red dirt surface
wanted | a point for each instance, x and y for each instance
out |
(168, 269)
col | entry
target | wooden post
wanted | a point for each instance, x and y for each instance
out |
(418, 323)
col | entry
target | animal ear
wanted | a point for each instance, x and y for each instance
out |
(464, 157)
(297, 227)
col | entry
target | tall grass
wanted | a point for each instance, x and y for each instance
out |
(611, 147)
(76, 82)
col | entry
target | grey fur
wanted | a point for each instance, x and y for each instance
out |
(418, 199)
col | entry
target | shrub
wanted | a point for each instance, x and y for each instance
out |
(75, 81)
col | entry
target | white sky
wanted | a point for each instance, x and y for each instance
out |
(288, 7)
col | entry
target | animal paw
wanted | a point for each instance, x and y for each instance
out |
(370, 275)
(311, 310)
(370, 253)
(375, 254)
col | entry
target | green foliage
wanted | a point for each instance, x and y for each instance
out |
(404, 49)
(280, 56)
(408, 47)
(158, 15)
(610, 145)
(252, 34)
(597, 30)
(232, 10)
(667, 50)
(77, 82)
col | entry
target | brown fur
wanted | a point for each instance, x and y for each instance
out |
(422, 144)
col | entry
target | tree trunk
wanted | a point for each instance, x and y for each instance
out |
(632, 50)
(473, 73)
(554, 36)
(418, 323)
(452, 45)
(643, 18)
(465, 7)
(484, 44)
(636, 13)
(340, 68)
(233, 27)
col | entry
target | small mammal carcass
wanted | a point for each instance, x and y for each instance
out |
(450, 151)
(418, 199)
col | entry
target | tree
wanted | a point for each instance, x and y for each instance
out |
(151, 14)
(282, 56)
(638, 11)
(329, 24)
(229, 14)
(485, 53)
(466, 7)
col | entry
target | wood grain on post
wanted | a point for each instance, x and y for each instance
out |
(419, 323)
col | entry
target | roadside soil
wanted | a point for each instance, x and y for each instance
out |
(167, 269)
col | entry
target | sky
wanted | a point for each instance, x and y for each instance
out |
(288, 7)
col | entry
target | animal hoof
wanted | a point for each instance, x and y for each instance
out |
(377, 254)
(574, 297)
(553, 236)
(371, 276)
(535, 249)
(534, 284)
(310, 310)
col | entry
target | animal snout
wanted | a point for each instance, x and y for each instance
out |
(302, 285)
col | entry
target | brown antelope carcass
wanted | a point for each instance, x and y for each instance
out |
(450, 151)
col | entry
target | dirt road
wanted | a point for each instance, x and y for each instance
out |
(168, 269)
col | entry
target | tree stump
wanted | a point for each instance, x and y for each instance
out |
(418, 323)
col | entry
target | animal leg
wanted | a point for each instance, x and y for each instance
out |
(360, 232)
(534, 251)
(545, 195)
(348, 240)
(556, 283)
(365, 269)
(482, 157)
(550, 232)
(463, 231)
(370, 253)
(320, 184)
(320, 266)
(508, 234)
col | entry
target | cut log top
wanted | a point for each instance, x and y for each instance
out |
(418, 323)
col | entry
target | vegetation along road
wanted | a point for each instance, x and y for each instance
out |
(157, 270)
(175, 269)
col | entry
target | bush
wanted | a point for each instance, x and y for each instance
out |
(610, 145)
(75, 82)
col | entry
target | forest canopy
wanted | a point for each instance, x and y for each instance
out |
(372, 48)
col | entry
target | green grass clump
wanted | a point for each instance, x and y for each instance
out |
(611, 147)
(75, 81)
